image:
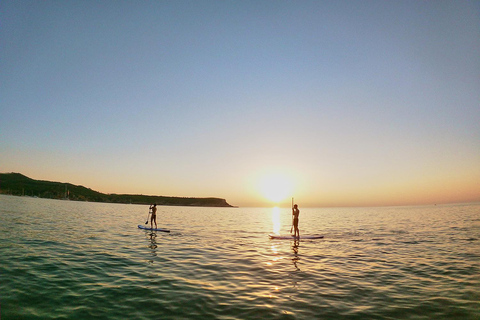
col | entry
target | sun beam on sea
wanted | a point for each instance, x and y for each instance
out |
(277, 225)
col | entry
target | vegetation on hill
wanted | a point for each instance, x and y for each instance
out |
(18, 184)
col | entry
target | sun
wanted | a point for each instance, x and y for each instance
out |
(275, 187)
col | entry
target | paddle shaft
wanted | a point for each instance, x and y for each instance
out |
(149, 211)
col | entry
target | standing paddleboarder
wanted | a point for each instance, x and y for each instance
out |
(153, 217)
(295, 214)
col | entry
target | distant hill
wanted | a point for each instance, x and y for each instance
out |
(18, 184)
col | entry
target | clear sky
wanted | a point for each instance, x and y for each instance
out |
(335, 103)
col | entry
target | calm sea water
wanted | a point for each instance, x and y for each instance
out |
(73, 260)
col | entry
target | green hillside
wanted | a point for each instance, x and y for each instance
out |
(20, 185)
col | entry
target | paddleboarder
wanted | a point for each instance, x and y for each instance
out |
(295, 214)
(153, 217)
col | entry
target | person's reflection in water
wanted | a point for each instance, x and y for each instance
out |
(153, 245)
(296, 258)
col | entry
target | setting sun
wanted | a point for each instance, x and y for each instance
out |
(276, 187)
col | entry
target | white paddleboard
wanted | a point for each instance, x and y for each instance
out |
(152, 229)
(291, 237)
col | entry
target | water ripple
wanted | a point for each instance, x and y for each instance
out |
(383, 263)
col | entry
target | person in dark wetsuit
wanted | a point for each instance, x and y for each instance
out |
(153, 217)
(295, 213)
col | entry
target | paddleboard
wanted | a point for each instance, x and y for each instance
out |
(152, 229)
(313, 236)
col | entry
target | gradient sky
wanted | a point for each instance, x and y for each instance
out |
(354, 102)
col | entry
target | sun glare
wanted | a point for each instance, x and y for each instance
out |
(277, 225)
(276, 187)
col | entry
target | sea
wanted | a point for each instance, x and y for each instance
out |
(64, 259)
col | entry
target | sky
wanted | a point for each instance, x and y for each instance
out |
(334, 103)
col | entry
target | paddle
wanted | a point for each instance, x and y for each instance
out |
(292, 217)
(149, 211)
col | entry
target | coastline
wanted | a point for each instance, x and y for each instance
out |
(17, 184)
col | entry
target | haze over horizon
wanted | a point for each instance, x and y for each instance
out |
(341, 103)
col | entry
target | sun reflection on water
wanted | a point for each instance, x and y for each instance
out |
(276, 220)
(275, 256)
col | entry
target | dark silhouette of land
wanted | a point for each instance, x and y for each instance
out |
(20, 185)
